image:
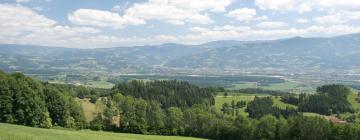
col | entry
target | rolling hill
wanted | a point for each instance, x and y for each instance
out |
(292, 54)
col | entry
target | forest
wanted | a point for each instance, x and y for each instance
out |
(173, 108)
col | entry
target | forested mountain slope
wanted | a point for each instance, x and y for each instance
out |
(288, 54)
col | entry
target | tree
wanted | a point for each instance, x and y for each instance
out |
(93, 99)
(243, 128)
(57, 105)
(6, 106)
(330, 99)
(29, 105)
(174, 121)
(226, 109)
(97, 123)
(259, 107)
(225, 94)
(266, 128)
(154, 117)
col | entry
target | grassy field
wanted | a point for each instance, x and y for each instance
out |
(100, 84)
(352, 99)
(286, 86)
(220, 100)
(15, 132)
(280, 104)
(90, 109)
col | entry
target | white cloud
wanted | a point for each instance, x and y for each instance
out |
(243, 14)
(22, 1)
(172, 11)
(307, 5)
(330, 19)
(223, 33)
(22, 25)
(15, 19)
(176, 11)
(302, 20)
(102, 18)
(272, 25)
(338, 18)
(284, 5)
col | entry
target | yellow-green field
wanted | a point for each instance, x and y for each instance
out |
(220, 100)
(100, 84)
(15, 132)
(286, 86)
(352, 99)
(90, 109)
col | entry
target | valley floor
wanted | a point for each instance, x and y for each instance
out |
(15, 132)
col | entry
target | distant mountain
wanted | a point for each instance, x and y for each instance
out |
(137, 59)
(341, 52)
(293, 53)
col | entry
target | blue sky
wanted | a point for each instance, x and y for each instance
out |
(113, 23)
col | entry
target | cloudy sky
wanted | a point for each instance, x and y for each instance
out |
(110, 23)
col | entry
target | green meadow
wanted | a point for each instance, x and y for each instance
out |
(15, 132)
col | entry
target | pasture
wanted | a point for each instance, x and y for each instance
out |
(220, 100)
(15, 132)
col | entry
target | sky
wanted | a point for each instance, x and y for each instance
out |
(116, 23)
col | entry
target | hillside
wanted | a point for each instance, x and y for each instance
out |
(15, 132)
(292, 54)
(289, 54)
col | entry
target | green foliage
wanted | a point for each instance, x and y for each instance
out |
(266, 128)
(173, 108)
(97, 123)
(28, 102)
(167, 93)
(174, 121)
(262, 106)
(331, 99)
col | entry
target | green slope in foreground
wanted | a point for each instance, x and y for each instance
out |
(15, 132)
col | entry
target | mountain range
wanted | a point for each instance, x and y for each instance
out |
(291, 54)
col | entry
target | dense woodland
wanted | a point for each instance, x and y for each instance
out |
(172, 108)
(167, 93)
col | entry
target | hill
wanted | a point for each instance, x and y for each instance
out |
(289, 54)
(15, 132)
(292, 54)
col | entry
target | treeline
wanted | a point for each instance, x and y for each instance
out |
(262, 106)
(128, 114)
(330, 99)
(168, 93)
(28, 102)
(261, 91)
(83, 92)
(233, 108)
(153, 108)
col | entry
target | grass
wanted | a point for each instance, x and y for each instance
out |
(310, 114)
(280, 104)
(100, 84)
(245, 85)
(15, 132)
(352, 99)
(220, 100)
(286, 86)
(89, 109)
